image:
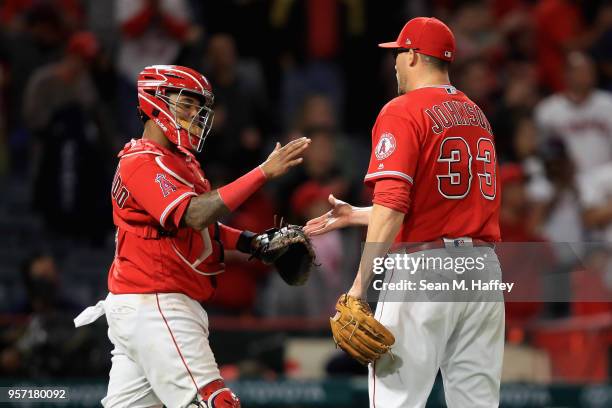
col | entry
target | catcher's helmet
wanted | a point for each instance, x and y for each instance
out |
(160, 87)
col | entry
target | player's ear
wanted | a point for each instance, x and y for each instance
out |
(412, 58)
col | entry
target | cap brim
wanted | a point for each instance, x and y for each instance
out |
(392, 44)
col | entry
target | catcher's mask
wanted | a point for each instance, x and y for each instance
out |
(179, 100)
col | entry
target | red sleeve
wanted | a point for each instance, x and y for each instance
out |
(161, 195)
(392, 193)
(138, 23)
(239, 190)
(173, 219)
(395, 149)
(229, 236)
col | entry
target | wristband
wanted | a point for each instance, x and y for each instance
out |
(237, 192)
(244, 241)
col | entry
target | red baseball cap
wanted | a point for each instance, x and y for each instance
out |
(426, 35)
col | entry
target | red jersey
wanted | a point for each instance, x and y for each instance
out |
(439, 141)
(155, 253)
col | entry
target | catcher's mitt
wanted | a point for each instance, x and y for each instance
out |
(357, 332)
(289, 249)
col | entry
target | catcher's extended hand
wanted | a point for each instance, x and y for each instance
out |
(357, 332)
(289, 249)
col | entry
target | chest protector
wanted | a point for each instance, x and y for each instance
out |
(201, 251)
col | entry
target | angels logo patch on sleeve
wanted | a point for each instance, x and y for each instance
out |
(166, 186)
(385, 147)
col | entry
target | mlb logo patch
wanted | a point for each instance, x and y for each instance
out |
(448, 54)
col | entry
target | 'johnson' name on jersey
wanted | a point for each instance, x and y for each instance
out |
(456, 113)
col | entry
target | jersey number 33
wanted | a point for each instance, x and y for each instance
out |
(456, 181)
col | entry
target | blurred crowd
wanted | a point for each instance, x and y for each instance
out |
(540, 70)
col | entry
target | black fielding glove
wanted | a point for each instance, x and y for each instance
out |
(288, 248)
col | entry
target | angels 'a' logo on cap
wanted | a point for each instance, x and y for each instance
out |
(448, 54)
(385, 147)
(408, 42)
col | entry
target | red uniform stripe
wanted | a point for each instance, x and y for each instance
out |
(175, 343)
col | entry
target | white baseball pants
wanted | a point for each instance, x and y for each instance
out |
(465, 340)
(161, 353)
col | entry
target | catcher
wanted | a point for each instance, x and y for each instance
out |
(170, 245)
